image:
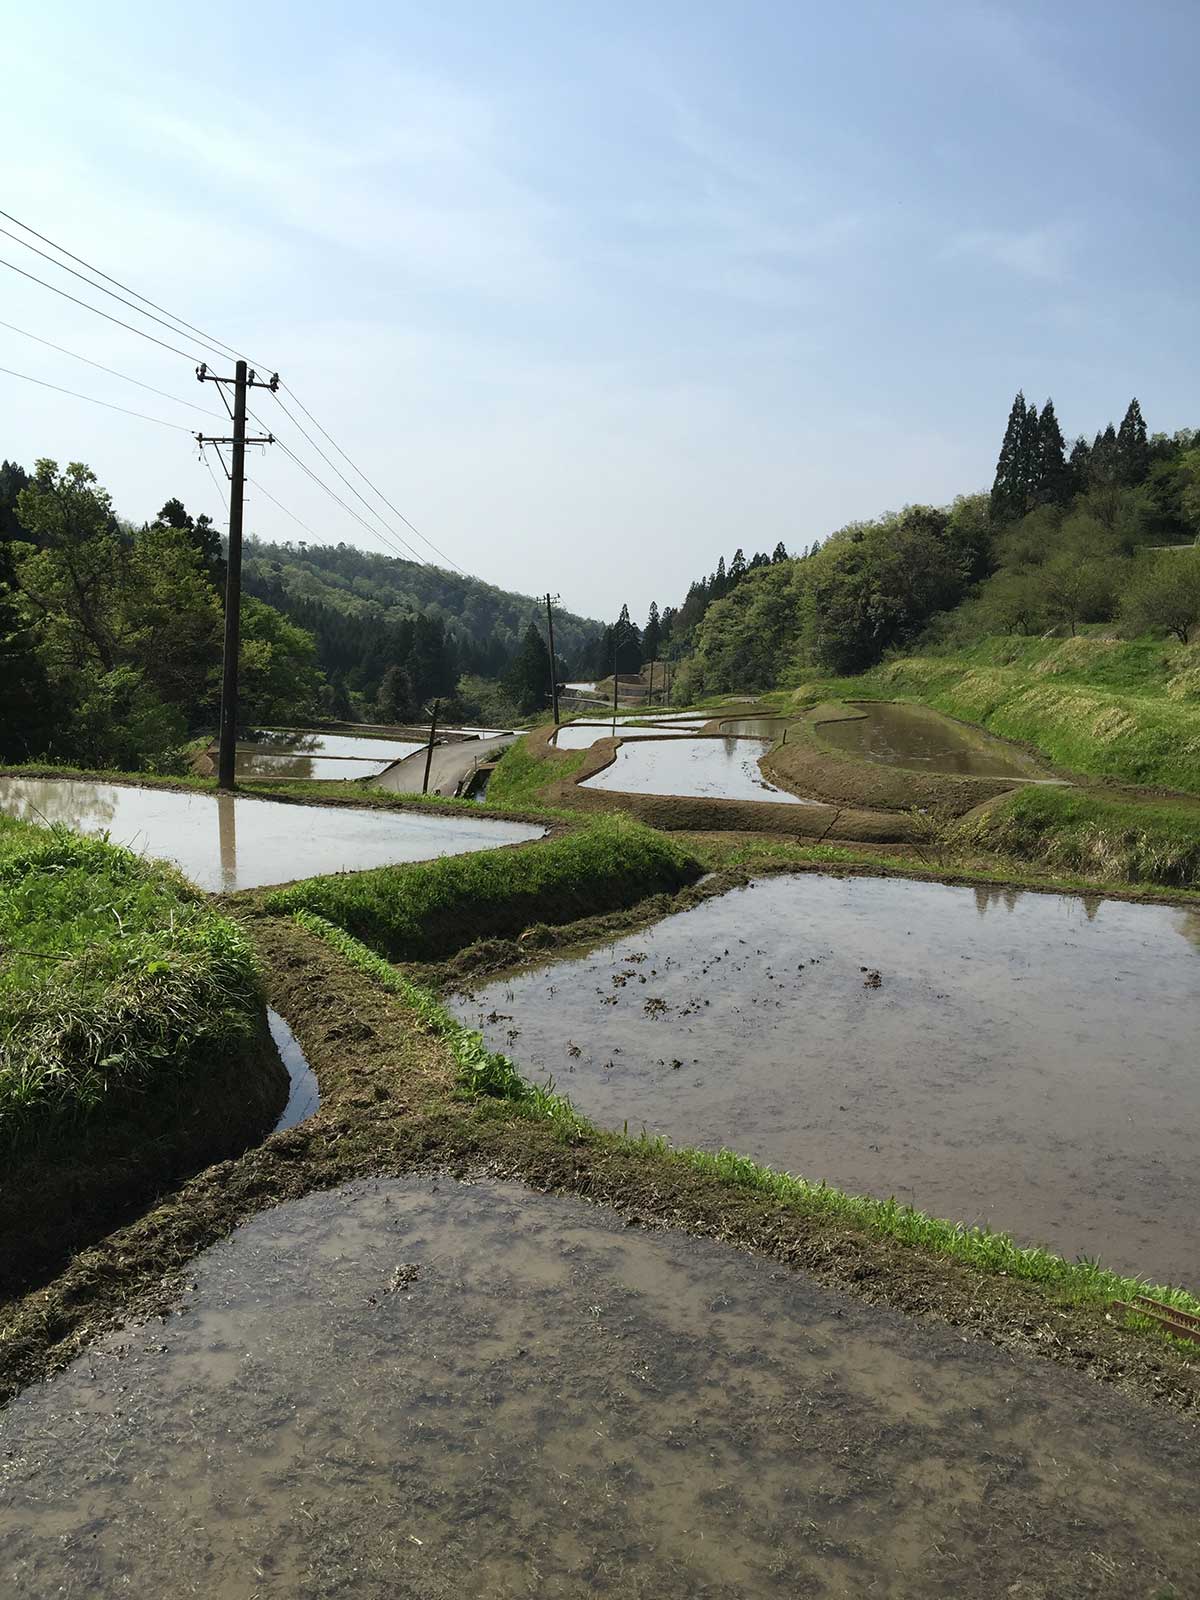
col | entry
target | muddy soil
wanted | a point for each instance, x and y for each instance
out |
(428, 1389)
(1021, 1061)
(916, 736)
(224, 843)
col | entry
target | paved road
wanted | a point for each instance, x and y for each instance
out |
(452, 765)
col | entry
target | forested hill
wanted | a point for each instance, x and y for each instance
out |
(333, 590)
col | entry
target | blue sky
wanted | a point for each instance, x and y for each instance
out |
(597, 293)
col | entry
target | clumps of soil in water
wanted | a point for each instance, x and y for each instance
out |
(421, 1388)
(1026, 1061)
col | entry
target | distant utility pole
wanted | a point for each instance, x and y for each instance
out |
(241, 381)
(429, 746)
(553, 665)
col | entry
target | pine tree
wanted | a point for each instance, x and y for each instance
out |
(718, 585)
(1079, 466)
(652, 638)
(1133, 450)
(1051, 485)
(1103, 467)
(1010, 482)
(737, 568)
(780, 552)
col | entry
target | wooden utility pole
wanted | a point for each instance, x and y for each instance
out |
(650, 691)
(553, 666)
(429, 748)
(236, 472)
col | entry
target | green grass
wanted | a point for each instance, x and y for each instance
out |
(1109, 708)
(428, 910)
(520, 776)
(113, 972)
(1101, 838)
(487, 1075)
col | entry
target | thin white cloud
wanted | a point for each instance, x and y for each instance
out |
(1042, 253)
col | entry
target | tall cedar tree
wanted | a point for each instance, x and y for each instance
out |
(737, 567)
(1053, 482)
(527, 682)
(1105, 464)
(1009, 485)
(780, 552)
(652, 638)
(1133, 449)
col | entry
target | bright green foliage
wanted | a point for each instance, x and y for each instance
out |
(520, 776)
(428, 910)
(115, 974)
(278, 676)
(1164, 593)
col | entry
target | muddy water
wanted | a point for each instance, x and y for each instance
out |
(304, 1093)
(258, 764)
(583, 735)
(406, 1389)
(296, 741)
(224, 843)
(914, 736)
(1026, 1061)
(757, 727)
(715, 769)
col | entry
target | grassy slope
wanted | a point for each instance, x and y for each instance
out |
(426, 910)
(1123, 710)
(113, 973)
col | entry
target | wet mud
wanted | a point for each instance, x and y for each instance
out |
(1024, 1061)
(918, 737)
(421, 1388)
(225, 843)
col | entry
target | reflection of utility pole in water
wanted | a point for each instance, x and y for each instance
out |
(227, 834)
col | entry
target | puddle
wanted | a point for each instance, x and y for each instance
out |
(224, 842)
(914, 736)
(304, 1093)
(1028, 1061)
(757, 727)
(432, 1389)
(714, 769)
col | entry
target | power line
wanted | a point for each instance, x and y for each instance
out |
(91, 399)
(283, 508)
(62, 267)
(62, 249)
(100, 367)
(365, 479)
(335, 468)
(174, 349)
(333, 495)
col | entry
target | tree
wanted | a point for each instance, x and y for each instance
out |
(1052, 484)
(1104, 467)
(780, 552)
(1010, 485)
(527, 681)
(626, 643)
(277, 667)
(1077, 591)
(1079, 467)
(652, 638)
(1164, 592)
(737, 568)
(202, 535)
(1133, 450)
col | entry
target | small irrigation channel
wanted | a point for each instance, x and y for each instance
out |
(1024, 1061)
(428, 1388)
(304, 1092)
(225, 842)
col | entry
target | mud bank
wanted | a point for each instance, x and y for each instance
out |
(426, 1388)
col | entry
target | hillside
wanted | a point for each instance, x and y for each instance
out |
(324, 587)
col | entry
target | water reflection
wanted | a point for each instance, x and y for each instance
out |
(915, 736)
(708, 768)
(227, 842)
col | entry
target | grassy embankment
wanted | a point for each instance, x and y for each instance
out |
(496, 1082)
(1120, 713)
(132, 1047)
(424, 911)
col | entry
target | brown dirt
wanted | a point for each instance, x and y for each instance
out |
(388, 1106)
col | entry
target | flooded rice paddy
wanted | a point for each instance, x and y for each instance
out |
(295, 754)
(757, 727)
(416, 1388)
(709, 768)
(1025, 1061)
(583, 735)
(304, 1093)
(223, 842)
(915, 736)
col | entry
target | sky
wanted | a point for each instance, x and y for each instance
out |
(598, 293)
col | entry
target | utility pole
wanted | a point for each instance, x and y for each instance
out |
(553, 665)
(236, 472)
(650, 691)
(429, 747)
